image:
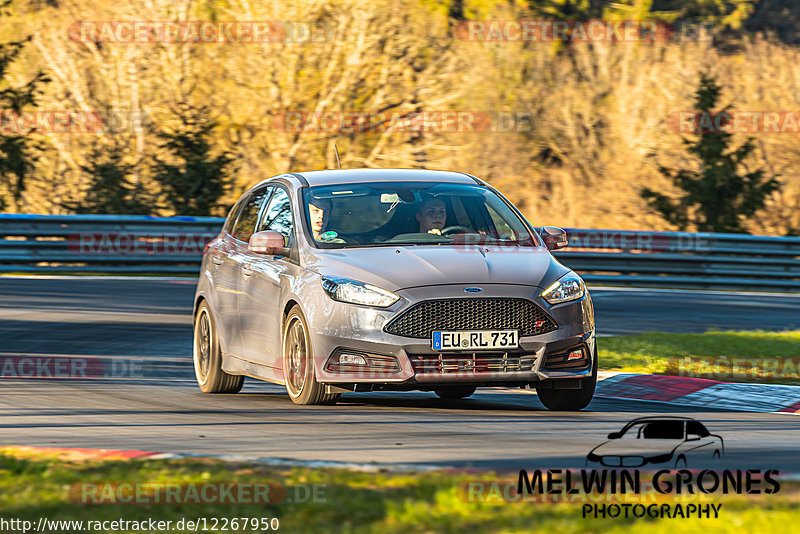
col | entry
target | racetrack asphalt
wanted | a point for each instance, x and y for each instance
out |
(149, 322)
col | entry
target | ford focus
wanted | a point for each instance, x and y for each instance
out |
(329, 282)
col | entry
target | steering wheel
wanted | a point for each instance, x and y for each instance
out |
(455, 229)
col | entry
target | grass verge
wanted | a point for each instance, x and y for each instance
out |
(348, 501)
(752, 356)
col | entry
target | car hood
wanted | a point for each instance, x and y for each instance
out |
(636, 447)
(404, 267)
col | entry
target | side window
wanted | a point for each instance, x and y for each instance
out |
(502, 228)
(462, 217)
(231, 218)
(246, 223)
(278, 215)
(694, 427)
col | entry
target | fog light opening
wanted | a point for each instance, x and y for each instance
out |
(569, 359)
(575, 355)
(346, 358)
(362, 362)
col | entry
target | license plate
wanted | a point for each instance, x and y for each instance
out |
(476, 340)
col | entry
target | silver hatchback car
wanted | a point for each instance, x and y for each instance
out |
(392, 279)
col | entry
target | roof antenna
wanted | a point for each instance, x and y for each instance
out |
(335, 149)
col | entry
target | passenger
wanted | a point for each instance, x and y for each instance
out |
(319, 211)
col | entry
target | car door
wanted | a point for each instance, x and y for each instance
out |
(260, 311)
(236, 254)
(224, 271)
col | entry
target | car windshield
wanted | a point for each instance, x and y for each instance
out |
(411, 213)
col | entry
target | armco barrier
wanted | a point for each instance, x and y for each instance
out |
(104, 243)
(684, 259)
(173, 245)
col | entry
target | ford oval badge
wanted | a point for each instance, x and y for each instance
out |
(473, 289)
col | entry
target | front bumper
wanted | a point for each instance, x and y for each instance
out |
(357, 329)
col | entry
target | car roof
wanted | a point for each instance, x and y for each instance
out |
(349, 176)
(652, 418)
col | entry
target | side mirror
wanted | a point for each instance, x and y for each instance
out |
(554, 237)
(614, 435)
(267, 242)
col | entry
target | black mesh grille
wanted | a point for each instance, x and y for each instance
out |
(421, 319)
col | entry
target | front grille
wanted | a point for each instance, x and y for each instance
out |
(423, 318)
(494, 362)
(622, 461)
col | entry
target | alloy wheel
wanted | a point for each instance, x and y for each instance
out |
(297, 356)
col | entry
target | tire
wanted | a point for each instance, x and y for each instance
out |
(208, 358)
(455, 392)
(298, 363)
(570, 400)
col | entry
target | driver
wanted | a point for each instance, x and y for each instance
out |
(432, 214)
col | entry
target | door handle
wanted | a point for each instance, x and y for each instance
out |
(217, 260)
(246, 270)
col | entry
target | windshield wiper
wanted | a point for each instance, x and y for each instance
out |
(396, 244)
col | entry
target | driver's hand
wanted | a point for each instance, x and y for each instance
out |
(435, 231)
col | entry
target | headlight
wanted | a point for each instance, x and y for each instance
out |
(568, 287)
(355, 292)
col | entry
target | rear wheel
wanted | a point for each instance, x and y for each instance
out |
(455, 392)
(298, 363)
(570, 400)
(208, 358)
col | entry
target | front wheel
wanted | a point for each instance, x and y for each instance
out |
(208, 358)
(570, 400)
(298, 363)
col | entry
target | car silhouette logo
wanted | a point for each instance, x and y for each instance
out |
(473, 289)
(675, 441)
